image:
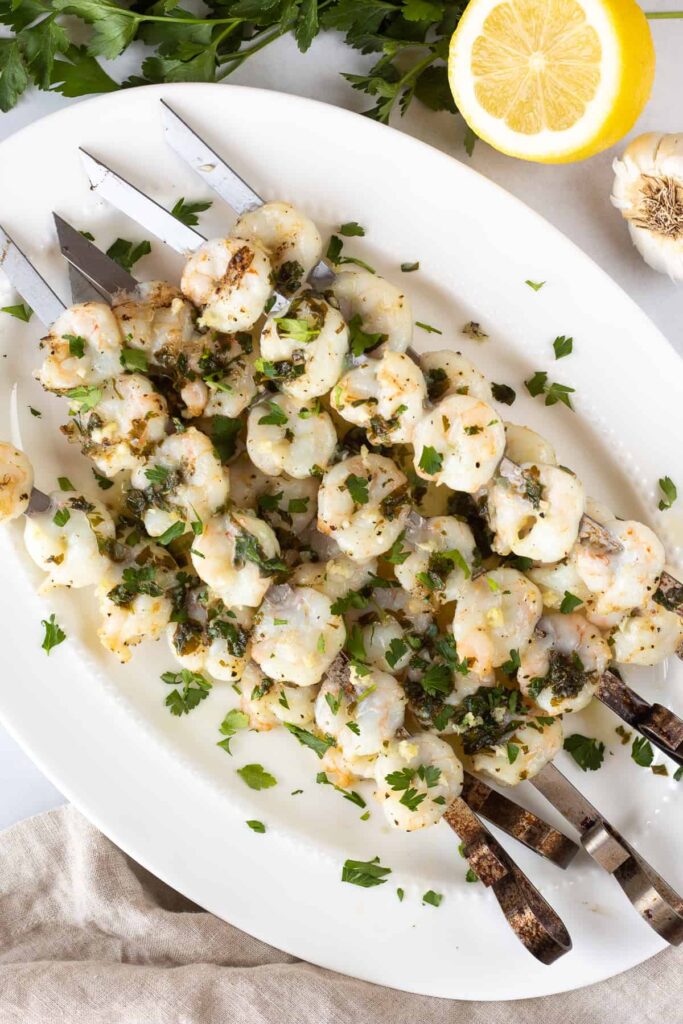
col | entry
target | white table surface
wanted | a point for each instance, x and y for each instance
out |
(574, 197)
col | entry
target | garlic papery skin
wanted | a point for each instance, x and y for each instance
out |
(648, 189)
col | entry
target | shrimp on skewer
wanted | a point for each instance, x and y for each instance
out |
(16, 482)
(459, 443)
(230, 280)
(384, 396)
(561, 666)
(290, 238)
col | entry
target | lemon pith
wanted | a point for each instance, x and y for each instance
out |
(551, 80)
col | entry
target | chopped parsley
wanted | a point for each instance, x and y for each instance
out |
(367, 874)
(174, 531)
(20, 312)
(256, 826)
(668, 489)
(357, 486)
(503, 393)
(195, 689)
(642, 752)
(65, 484)
(319, 744)
(61, 517)
(187, 212)
(512, 752)
(408, 268)
(428, 328)
(588, 753)
(397, 554)
(351, 228)
(85, 397)
(432, 898)
(538, 385)
(471, 876)
(536, 285)
(395, 651)
(54, 634)
(400, 894)
(126, 253)
(76, 345)
(134, 359)
(430, 460)
(473, 330)
(569, 603)
(510, 667)
(35, 412)
(231, 724)
(334, 255)
(348, 794)
(224, 431)
(299, 331)
(248, 549)
(103, 482)
(276, 417)
(362, 341)
(256, 776)
(563, 346)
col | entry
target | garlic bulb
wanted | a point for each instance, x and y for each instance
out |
(648, 189)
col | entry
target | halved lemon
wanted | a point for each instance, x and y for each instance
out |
(551, 80)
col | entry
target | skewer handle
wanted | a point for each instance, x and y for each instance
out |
(530, 916)
(658, 724)
(658, 904)
(524, 826)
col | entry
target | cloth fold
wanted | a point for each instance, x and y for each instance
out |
(87, 936)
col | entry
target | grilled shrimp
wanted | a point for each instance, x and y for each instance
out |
(495, 614)
(218, 645)
(557, 579)
(16, 482)
(623, 580)
(450, 373)
(537, 514)
(286, 436)
(383, 308)
(561, 666)
(525, 752)
(314, 339)
(123, 427)
(290, 238)
(414, 612)
(522, 444)
(68, 539)
(296, 637)
(384, 396)
(83, 348)
(133, 598)
(443, 553)
(363, 714)
(336, 577)
(182, 481)
(647, 636)
(459, 443)
(157, 319)
(417, 779)
(269, 703)
(361, 503)
(237, 555)
(230, 280)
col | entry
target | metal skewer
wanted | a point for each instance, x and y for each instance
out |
(654, 899)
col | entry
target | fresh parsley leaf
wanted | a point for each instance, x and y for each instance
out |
(588, 753)
(256, 776)
(65, 484)
(367, 873)
(134, 359)
(678, 774)
(35, 412)
(510, 667)
(397, 554)
(276, 417)
(397, 648)
(348, 794)
(102, 481)
(563, 346)
(471, 876)
(76, 345)
(126, 253)
(357, 486)
(569, 603)
(668, 489)
(54, 634)
(301, 332)
(538, 385)
(85, 397)
(430, 460)
(351, 228)
(232, 723)
(319, 744)
(400, 894)
(642, 752)
(224, 431)
(536, 285)
(187, 212)
(512, 752)
(61, 517)
(438, 679)
(256, 826)
(361, 341)
(174, 531)
(432, 898)
(20, 312)
(195, 688)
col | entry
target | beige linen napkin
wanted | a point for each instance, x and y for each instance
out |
(87, 936)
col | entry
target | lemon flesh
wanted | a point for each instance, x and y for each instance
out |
(551, 80)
